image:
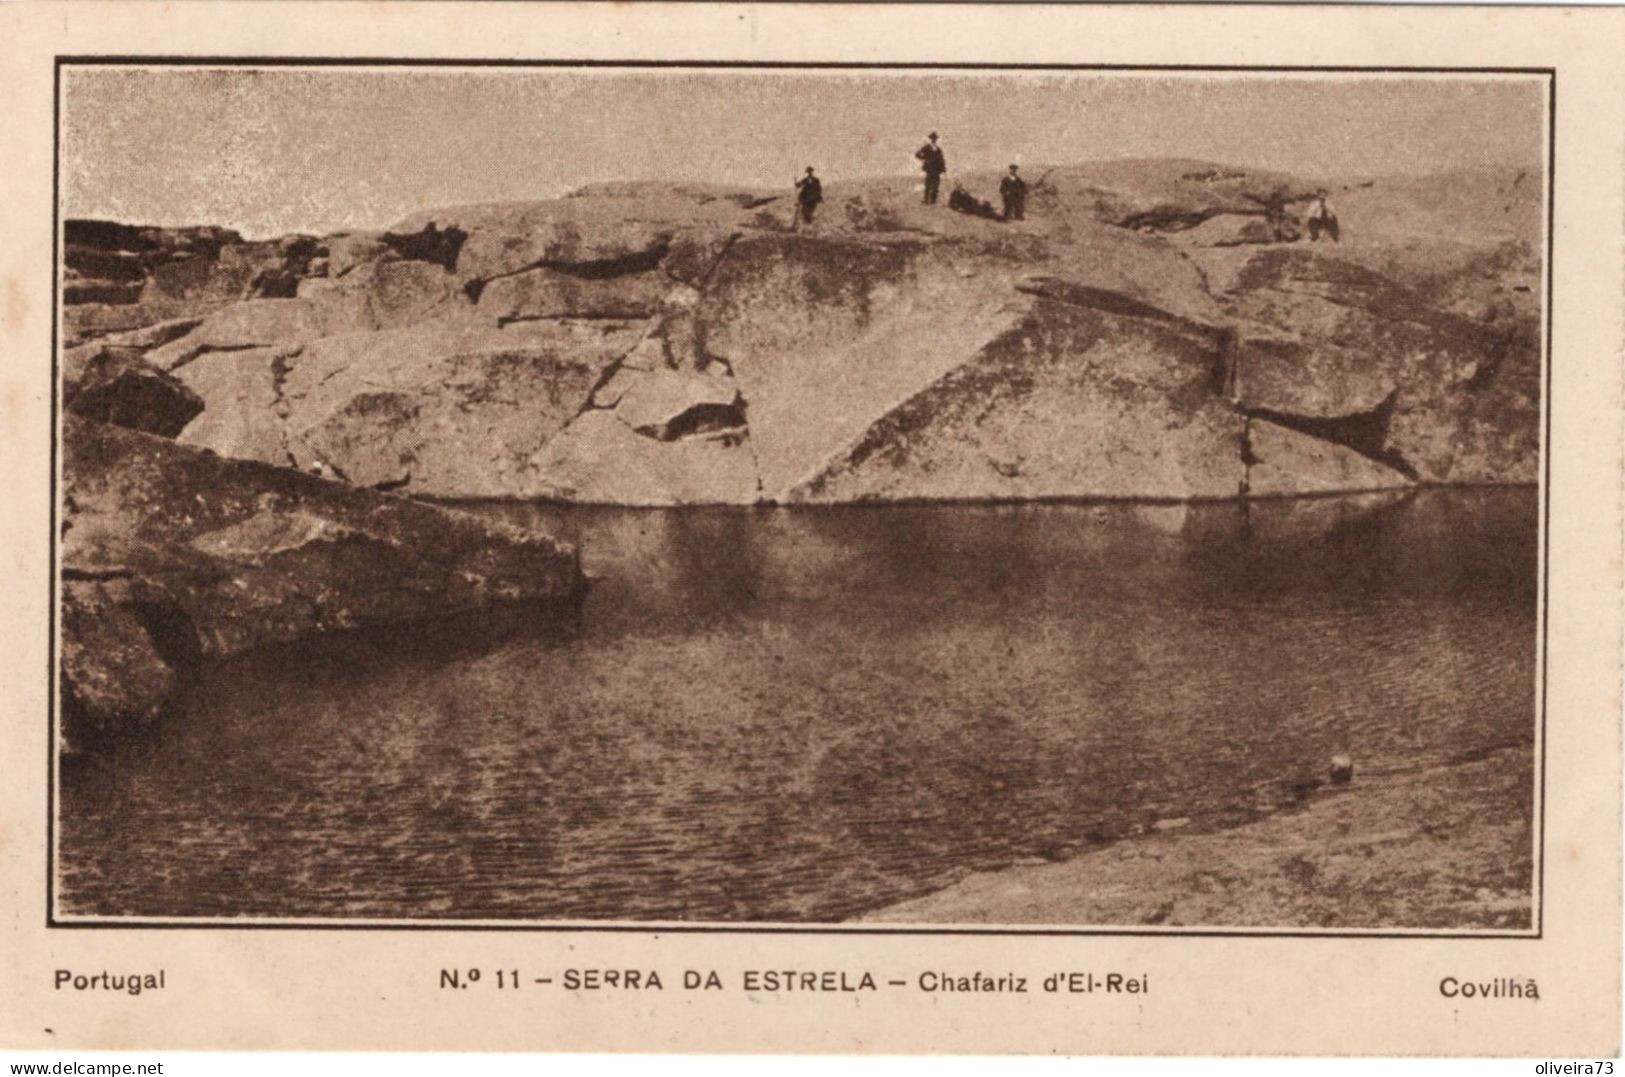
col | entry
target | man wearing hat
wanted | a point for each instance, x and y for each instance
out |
(1322, 218)
(809, 192)
(1013, 189)
(934, 165)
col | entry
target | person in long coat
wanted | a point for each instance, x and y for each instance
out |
(809, 192)
(1013, 189)
(933, 163)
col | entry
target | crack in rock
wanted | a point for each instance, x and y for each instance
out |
(1248, 459)
(624, 265)
(281, 407)
(519, 319)
(208, 349)
(1172, 219)
(1089, 297)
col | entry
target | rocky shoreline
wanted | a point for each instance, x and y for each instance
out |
(248, 419)
(1405, 849)
(172, 557)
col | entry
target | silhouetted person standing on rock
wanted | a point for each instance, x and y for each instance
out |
(1013, 189)
(1275, 214)
(809, 192)
(934, 164)
(1322, 219)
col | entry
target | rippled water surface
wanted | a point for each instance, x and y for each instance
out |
(803, 714)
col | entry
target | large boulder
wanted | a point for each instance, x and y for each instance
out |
(392, 293)
(1071, 402)
(826, 336)
(262, 323)
(198, 278)
(153, 335)
(578, 234)
(245, 413)
(1229, 230)
(114, 385)
(442, 411)
(1442, 397)
(543, 293)
(350, 250)
(602, 231)
(1170, 195)
(118, 661)
(171, 555)
(99, 321)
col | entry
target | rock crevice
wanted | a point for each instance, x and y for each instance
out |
(1365, 432)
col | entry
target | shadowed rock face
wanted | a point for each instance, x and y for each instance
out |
(1070, 397)
(171, 555)
(1140, 334)
(827, 336)
(114, 385)
(1367, 362)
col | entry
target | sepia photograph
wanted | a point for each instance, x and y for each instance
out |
(854, 497)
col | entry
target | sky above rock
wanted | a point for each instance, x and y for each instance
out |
(322, 150)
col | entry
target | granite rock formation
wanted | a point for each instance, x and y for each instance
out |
(1141, 334)
(171, 556)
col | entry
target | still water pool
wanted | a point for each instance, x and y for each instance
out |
(800, 715)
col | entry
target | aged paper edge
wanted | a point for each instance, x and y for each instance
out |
(23, 385)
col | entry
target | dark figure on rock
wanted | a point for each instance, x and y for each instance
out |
(1013, 190)
(1322, 219)
(809, 192)
(1282, 225)
(963, 201)
(933, 163)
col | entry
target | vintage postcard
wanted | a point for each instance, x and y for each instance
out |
(1005, 528)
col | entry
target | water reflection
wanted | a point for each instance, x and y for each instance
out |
(802, 714)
